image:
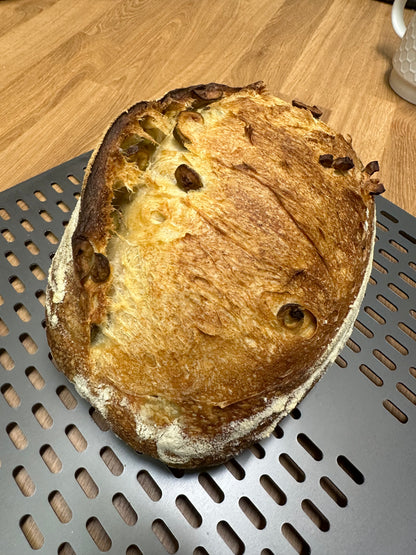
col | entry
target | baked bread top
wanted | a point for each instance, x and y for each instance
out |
(212, 269)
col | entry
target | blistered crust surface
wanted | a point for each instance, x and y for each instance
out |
(236, 265)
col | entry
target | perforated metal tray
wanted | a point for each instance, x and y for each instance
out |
(337, 476)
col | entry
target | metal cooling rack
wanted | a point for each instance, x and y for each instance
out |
(336, 477)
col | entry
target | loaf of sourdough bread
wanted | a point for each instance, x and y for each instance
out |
(212, 269)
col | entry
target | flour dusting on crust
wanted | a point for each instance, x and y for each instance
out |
(100, 398)
(61, 266)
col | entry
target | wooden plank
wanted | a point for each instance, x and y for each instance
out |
(68, 69)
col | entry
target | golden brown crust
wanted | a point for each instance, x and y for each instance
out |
(220, 253)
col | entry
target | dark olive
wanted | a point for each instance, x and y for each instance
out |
(100, 270)
(187, 178)
(326, 160)
(374, 187)
(209, 93)
(343, 164)
(372, 167)
(206, 95)
(314, 110)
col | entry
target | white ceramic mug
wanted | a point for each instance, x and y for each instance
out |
(403, 74)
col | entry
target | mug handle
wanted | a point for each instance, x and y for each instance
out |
(397, 18)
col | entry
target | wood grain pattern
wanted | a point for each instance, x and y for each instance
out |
(68, 68)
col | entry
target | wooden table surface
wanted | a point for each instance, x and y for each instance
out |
(68, 68)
